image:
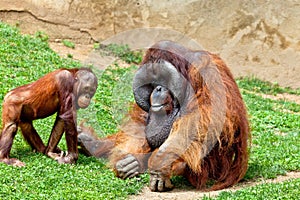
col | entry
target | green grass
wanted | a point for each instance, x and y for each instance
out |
(23, 59)
(269, 191)
(68, 44)
(275, 131)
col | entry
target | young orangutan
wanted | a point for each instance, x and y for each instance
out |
(61, 91)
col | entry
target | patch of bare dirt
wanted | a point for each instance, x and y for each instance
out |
(87, 55)
(80, 52)
(194, 194)
(84, 54)
(285, 96)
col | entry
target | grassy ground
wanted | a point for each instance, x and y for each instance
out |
(23, 59)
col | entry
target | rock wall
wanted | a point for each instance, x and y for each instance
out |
(254, 37)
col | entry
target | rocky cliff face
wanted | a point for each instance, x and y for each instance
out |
(253, 37)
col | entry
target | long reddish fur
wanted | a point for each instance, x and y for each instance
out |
(227, 162)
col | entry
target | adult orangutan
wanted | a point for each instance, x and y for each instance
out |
(189, 119)
(61, 91)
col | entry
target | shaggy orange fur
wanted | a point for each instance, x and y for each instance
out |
(209, 141)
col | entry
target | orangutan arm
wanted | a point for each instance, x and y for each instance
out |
(130, 156)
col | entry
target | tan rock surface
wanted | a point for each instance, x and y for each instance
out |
(260, 38)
